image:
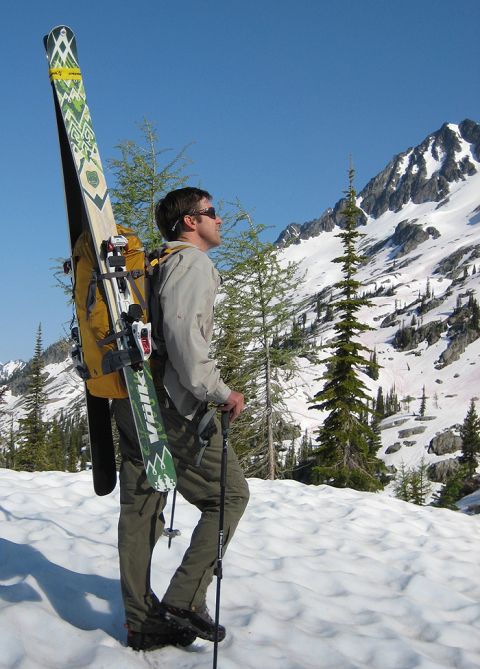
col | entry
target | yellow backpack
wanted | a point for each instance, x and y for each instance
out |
(95, 340)
(92, 312)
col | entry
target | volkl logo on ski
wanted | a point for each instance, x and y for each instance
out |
(147, 407)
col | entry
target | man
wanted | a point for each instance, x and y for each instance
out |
(187, 379)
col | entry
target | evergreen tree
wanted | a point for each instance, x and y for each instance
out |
(402, 484)
(140, 180)
(345, 457)
(10, 459)
(380, 404)
(452, 491)
(373, 366)
(423, 403)
(290, 461)
(470, 433)
(475, 313)
(55, 447)
(32, 454)
(420, 485)
(392, 403)
(413, 485)
(3, 447)
(252, 344)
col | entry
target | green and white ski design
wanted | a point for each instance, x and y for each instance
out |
(89, 206)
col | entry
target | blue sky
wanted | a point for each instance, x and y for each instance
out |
(274, 95)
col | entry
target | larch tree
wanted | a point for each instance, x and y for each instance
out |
(141, 178)
(253, 321)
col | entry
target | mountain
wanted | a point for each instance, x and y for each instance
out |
(63, 387)
(7, 369)
(421, 226)
(418, 175)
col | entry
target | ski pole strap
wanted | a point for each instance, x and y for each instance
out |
(225, 422)
(206, 429)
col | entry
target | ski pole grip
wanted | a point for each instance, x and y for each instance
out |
(225, 422)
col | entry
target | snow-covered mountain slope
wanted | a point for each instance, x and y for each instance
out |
(422, 264)
(7, 369)
(63, 389)
(315, 578)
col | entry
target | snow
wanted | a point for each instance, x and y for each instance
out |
(432, 164)
(315, 578)
(8, 368)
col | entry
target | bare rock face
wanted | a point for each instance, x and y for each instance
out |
(446, 442)
(439, 472)
(406, 178)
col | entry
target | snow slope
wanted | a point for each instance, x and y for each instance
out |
(315, 578)
(448, 389)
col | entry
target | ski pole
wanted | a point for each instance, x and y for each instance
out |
(218, 567)
(169, 531)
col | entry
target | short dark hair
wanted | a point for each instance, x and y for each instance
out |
(171, 209)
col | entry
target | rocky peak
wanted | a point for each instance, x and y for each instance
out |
(424, 174)
(420, 174)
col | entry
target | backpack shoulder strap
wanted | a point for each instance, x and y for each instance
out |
(153, 266)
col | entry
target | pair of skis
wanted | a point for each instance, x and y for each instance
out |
(89, 208)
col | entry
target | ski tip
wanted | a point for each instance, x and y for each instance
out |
(56, 32)
(59, 43)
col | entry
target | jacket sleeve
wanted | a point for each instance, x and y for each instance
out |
(187, 301)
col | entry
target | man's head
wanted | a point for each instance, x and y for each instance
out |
(187, 214)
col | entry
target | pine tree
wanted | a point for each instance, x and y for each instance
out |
(380, 404)
(423, 403)
(141, 179)
(420, 485)
(345, 457)
(452, 491)
(392, 404)
(470, 433)
(475, 313)
(402, 484)
(413, 485)
(373, 366)
(4, 447)
(55, 447)
(290, 461)
(32, 453)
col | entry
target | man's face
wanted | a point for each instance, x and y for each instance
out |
(208, 225)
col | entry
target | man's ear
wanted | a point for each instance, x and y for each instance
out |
(189, 222)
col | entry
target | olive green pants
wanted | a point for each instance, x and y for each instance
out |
(141, 519)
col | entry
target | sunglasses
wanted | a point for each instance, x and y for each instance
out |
(210, 212)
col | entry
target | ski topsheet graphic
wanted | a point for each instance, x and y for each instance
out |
(89, 208)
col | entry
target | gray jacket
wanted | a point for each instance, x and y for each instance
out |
(184, 293)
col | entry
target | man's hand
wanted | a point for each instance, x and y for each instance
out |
(235, 404)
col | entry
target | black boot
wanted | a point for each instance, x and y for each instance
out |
(199, 621)
(166, 635)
